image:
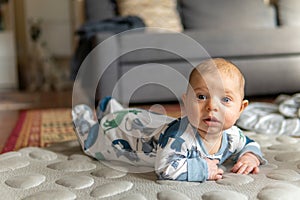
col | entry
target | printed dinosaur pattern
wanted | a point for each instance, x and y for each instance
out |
(119, 116)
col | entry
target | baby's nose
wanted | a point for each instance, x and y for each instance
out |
(212, 105)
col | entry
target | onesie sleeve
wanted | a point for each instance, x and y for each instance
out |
(244, 144)
(175, 161)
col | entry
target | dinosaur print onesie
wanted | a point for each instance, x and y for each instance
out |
(143, 138)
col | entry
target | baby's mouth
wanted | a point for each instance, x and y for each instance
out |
(211, 121)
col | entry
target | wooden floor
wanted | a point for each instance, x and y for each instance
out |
(12, 102)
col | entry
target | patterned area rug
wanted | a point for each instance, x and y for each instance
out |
(40, 128)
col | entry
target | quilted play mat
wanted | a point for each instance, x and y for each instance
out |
(61, 171)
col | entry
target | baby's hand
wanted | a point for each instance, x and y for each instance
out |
(246, 164)
(214, 172)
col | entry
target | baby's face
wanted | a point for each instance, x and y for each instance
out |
(214, 103)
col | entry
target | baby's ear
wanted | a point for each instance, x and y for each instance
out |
(245, 103)
(183, 98)
(183, 102)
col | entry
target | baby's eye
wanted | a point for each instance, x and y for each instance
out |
(202, 97)
(226, 99)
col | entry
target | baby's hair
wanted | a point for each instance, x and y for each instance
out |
(223, 66)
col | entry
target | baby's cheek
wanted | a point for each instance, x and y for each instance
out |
(193, 113)
(230, 118)
(194, 119)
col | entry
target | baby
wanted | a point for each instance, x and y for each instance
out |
(190, 148)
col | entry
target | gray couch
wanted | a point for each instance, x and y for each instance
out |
(262, 40)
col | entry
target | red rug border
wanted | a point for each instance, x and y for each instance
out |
(12, 139)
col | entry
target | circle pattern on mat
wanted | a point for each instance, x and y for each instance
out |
(235, 179)
(171, 195)
(287, 139)
(72, 166)
(109, 173)
(13, 163)
(284, 174)
(52, 194)
(79, 157)
(285, 147)
(111, 189)
(26, 181)
(288, 157)
(177, 183)
(10, 155)
(279, 191)
(224, 195)
(267, 168)
(43, 155)
(76, 181)
(134, 197)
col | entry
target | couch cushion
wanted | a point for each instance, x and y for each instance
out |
(289, 12)
(97, 10)
(227, 43)
(216, 14)
(155, 13)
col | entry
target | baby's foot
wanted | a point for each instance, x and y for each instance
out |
(107, 105)
(83, 119)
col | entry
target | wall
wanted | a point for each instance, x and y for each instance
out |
(56, 23)
(57, 33)
(8, 68)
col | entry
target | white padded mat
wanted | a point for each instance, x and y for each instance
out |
(63, 172)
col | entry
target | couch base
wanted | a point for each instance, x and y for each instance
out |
(264, 76)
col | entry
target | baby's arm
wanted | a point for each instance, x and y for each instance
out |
(246, 164)
(174, 161)
(214, 172)
(186, 168)
(249, 156)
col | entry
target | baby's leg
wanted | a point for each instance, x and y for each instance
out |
(87, 129)
(126, 135)
(106, 106)
(85, 125)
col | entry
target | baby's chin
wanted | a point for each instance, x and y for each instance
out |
(210, 130)
(204, 128)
